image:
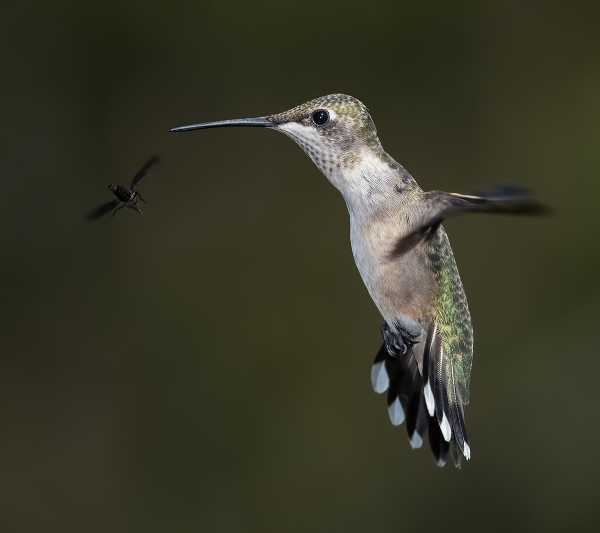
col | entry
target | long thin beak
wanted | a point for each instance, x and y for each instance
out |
(263, 122)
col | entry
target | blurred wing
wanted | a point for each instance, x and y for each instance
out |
(508, 199)
(101, 210)
(144, 170)
(435, 206)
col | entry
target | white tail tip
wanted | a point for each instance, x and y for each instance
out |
(429, 401)
(396, 412)
(379, 377)
(467, 451)
(416, 441)
(445, 427)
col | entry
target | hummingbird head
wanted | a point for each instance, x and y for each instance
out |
(333, 131)
(336, 131)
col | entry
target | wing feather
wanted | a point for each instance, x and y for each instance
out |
(451, 350)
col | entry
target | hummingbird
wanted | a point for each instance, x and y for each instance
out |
(404, 257)
(125, 196)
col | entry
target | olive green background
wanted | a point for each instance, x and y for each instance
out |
(205, 367)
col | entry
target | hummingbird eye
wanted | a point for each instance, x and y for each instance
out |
(320, 116)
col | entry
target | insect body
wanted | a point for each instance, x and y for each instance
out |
(125, 196)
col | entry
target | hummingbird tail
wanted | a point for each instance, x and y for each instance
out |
(427, 398)
(399, 376)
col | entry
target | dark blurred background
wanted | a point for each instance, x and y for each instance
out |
(205, 367)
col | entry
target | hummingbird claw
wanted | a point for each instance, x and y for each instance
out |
(395, 344)
(402, 338)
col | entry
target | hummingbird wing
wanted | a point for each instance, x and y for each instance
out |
(141, 173)
(448, 354)
(435, 206)
(101, 210)
(504, 199)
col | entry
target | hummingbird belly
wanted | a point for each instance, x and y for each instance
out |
(398, 285)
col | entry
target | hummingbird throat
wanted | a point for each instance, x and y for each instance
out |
(323, 154)
(356, 171)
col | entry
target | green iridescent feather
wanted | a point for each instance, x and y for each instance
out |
(452, 317)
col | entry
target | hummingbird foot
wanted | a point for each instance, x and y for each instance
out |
(400, 338)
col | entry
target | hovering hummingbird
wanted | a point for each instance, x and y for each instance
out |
(126, 196)
(404, 257)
